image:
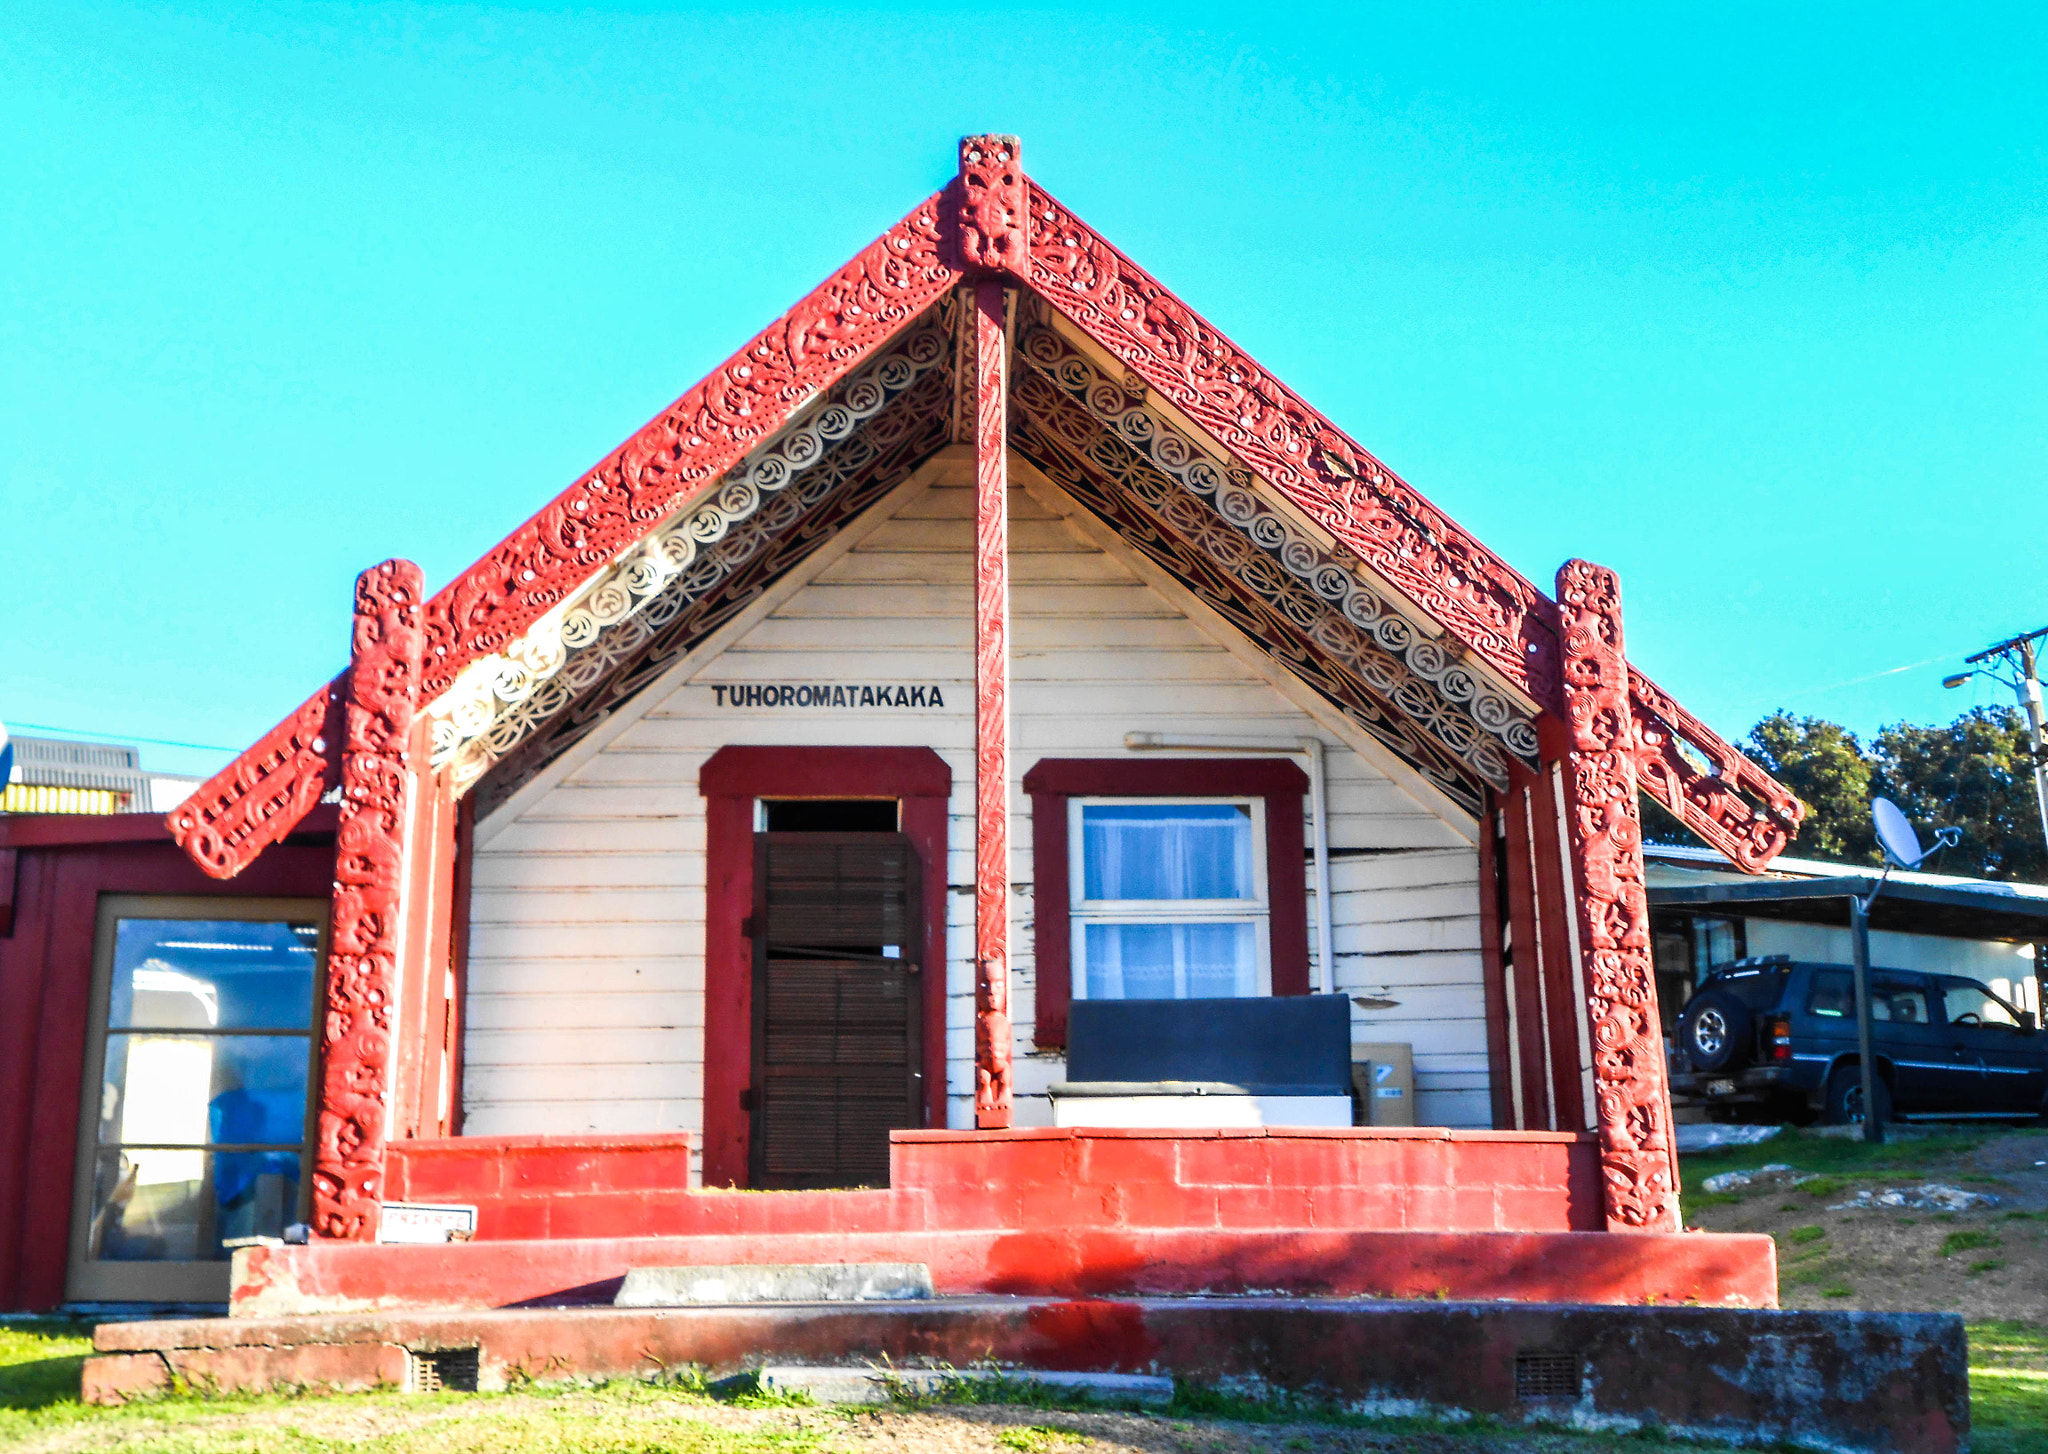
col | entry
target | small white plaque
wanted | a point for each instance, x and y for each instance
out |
(423, 1222)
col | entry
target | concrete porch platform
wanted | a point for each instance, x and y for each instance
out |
(1844, 1381)
(1058, 1261)
(1069, 1212)
(1360, 1178)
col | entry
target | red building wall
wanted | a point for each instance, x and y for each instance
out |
(53, 870)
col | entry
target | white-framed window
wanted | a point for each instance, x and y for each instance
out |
(1168, 898)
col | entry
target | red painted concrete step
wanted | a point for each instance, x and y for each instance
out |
(1407, 1212)
(1847, 1381)
(1249, 1179)
(1581, 1267)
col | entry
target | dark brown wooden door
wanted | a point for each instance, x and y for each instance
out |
(838, 1054)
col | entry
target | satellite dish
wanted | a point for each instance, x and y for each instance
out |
(1895, 835)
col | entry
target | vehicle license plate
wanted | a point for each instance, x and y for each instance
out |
(1720, 1087)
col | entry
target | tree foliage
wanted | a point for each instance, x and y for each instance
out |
(1826, 769)
(1975, 774)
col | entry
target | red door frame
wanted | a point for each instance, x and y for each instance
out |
(730, 781)
(62, 866)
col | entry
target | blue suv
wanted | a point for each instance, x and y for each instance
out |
(1776, 1037)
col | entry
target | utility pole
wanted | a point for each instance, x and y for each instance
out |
(1859, 942)
(2027, 683)
(2021, 654)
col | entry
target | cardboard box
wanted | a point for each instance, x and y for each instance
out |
(1383, 1083)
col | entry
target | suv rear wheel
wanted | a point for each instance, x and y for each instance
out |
(1845, 1097)
(1716, 1030)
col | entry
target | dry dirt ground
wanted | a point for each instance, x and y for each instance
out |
(607, 1424)
(1987, 1264)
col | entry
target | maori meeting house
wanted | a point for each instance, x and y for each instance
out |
(989, 779)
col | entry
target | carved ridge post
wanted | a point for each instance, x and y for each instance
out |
(368, 912)
(1638, 1164)
(992, 242)
(991, 717)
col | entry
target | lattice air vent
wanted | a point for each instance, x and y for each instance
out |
(440, 1370)
(1547, 1375)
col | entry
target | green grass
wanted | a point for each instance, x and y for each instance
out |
(1970, 1241)
(1039, 1438)
(1698, 1199)
(1840, 1159)
(40, 1363)
(2008, 1388)
(993, 1386)
(1806, 1234)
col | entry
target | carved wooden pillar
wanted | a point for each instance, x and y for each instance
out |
(428, 1011)
(1638, 1159)
(367, 919)
(991, 716)
(992, 242)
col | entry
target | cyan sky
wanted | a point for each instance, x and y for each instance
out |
(1746, 302)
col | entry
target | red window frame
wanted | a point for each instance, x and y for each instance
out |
(1053, 780)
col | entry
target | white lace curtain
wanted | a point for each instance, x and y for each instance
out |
(1171, 961)
(1173, 851)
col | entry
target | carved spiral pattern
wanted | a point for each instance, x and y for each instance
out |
(1194, 544)
(499, 699)
(1712, 796)
(1347, 492)
(1270, 550)
(563, 710)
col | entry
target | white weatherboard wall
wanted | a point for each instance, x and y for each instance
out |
(586, 966)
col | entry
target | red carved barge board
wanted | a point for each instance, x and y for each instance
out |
(993, 221)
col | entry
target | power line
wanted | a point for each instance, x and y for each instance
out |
(119, 737)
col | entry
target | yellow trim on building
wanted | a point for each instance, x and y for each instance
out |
(36, 798)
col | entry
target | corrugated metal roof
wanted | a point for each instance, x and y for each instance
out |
(1711, 861)
(48, 762)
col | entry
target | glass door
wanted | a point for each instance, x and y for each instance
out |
(195, 1121)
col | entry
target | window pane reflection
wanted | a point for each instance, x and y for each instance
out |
(212, 974)
(179, 1206)
(256, 1193)
(1968, 1004)
(196, 1090)
(207, 1047)
(150, 1206)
